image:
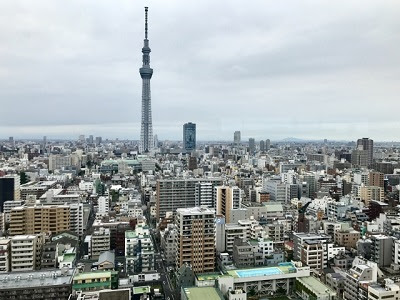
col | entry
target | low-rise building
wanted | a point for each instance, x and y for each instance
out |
(44, 284)
(311, 288)
(265, 280)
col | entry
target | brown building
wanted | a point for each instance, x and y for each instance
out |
(376, 179)
(347, 238)
(195, 238)
(38, 219)
(264, 197)
(192, 163)
(227, 198)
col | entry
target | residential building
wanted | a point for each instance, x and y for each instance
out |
(100, 242)
(139, 250)
(5, 253)
(39, 218)
(195, 238)
(26, 252)
(347, 238)
(51, 284)
(227, 198)
(388, 290)
(368, 193)
(381, 249)
(178, 193)
(376, 179)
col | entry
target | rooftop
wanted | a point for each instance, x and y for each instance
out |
(31, 279)
(316, 286)
(207, 276)
(282, 268)
(273, 206)
(201, 293)
(195, 210)
(141, 289)
(92, 275)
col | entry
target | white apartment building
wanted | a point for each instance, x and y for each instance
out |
(26, 252)
(103, 205)
(8, 206)
(76, 218)
(204, 194)
(5, 264)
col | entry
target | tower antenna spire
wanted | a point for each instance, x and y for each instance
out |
(145, 22)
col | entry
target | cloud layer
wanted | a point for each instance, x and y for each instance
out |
(272, 69)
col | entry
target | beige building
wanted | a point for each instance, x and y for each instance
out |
(195, 238)
(26, 252)
(347, 238)
(368, 193)
(38, 219)
(227, 198)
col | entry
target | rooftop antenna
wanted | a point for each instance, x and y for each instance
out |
(145, 22)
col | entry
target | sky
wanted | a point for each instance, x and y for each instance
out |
(271, 69)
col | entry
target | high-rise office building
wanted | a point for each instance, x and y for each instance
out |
(252, 145)
(236, 137)
(98, 140)
(267, 144)
(195, 239)
(155, 141)
(44, 143)
(146, 131)
(9, 189)
(366, 144)
(359, 158)
(189, 136)
(262, 145)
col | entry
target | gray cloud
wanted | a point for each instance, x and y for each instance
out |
(311, 69)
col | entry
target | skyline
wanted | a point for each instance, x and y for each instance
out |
(324, 70)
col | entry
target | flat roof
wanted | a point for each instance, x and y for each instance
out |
(35, 279)
(92, 275)
(316, 286)
(283, 268)
(273, 206)
(208, 276)
(201, 293)
(141, 289)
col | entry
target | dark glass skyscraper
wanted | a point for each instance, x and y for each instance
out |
(146, 132)
(189, 136)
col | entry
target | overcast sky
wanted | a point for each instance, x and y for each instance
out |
(272, 69)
